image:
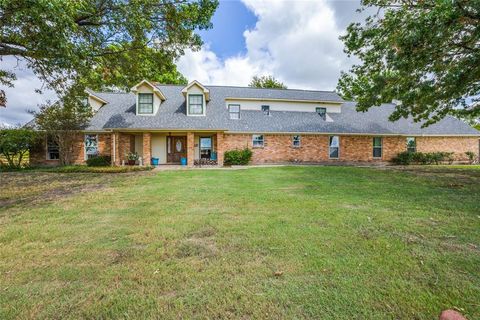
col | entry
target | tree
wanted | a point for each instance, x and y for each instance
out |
(61, 122)
(15, 144)
(266, 82)
(69, 42)
(425, 54)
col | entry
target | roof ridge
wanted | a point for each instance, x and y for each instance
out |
(247, 87)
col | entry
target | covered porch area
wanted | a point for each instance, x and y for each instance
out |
(190, 148)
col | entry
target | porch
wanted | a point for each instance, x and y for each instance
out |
(169, 148)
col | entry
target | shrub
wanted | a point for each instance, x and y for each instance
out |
(471, 156)
(99, 161)
(238, 157)
(15, 145)
(406, 158)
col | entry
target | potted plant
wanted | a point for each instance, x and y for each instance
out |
(132, 158)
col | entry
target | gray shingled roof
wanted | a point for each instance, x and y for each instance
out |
(119, 113)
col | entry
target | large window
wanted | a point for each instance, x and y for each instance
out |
(266, 110)
(322, 112)
(257, 141)
(53, 152)
(195, 104)
(91, 145)
(334, 148)
(411, 144)
(377, 147)
(145, 103)
(296, 141)
(234, 110)
(205, 147)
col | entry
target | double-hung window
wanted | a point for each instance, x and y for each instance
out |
(91, 146)
(266, 110)
(195, 104)
(145, 103)
(296, 141)
(334, 147)
(234, 111)
(322, 112)
(257, 140)
(411, 144)
(53, 152)
(377, 147)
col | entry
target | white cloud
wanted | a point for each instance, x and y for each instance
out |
(22, 97)
(296, 41)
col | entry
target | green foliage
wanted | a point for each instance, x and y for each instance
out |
(132, 156)
(472, 157)
(477, 126)
(111, 42)
(99, 169)
(424, 54)
(406, 158)
(62, 122)
(266, 82)
(99, 161)
(15, 144)
(237, 157)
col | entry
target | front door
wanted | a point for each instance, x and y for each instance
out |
(176, 148)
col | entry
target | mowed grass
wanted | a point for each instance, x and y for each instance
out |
(262, 243)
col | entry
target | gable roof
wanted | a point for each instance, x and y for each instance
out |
(205, 90)
(156, 90)
(119, 113)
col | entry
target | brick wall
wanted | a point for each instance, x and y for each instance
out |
(38, 156)
(314, 148)
(450, 144)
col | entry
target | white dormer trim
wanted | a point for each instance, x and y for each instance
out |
(94, 101)
(156, 91)
(91, 94)
(206, 92)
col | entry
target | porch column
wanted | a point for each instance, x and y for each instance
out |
(147, 148)
(220, 148)
(115, 149)
(190, 148)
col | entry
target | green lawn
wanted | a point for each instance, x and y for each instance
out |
(284, 242)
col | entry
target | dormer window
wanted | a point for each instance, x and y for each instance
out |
(234, 111)
(266, 110)
(195, 104)
(322, 112)
(145, 103)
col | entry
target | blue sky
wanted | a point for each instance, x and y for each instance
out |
(231, 19)
(295, 41)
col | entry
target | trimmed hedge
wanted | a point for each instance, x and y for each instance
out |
(99, 161)
(406, 158)
(237, 157)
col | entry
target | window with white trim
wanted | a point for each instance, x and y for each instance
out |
(53, 151)
(377, 147)
(91, 146)
(234, 111)
(296, 141)
(195, 104)
(257, 141)
(145, 103)
(334, 147)
(411, 144)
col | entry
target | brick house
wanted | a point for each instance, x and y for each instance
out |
(200, 123)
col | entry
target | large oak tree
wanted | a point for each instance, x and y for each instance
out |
(73, 43)
(425, 54)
